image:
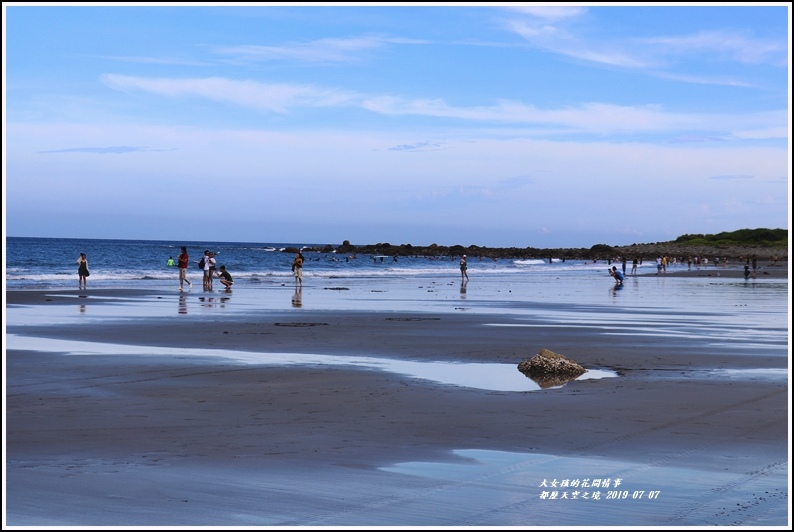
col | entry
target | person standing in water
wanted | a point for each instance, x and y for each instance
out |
(297, 269)
(463, 268)
(82, 270)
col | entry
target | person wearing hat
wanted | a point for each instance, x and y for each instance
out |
(463, 268)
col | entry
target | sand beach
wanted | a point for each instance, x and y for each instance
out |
(146, 408)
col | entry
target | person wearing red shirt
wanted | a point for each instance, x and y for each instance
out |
(182, 261)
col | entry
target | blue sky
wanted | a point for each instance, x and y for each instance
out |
(492, 125)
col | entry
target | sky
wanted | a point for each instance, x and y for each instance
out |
(498, 125)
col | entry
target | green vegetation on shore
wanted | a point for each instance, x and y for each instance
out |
(764, 243)
(765, 238)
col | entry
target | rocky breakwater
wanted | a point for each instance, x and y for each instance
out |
(600, 252)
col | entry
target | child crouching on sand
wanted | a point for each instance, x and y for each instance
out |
(225, 277)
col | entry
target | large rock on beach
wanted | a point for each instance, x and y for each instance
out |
(549, 369)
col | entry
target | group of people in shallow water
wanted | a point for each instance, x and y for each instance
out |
(207, 265)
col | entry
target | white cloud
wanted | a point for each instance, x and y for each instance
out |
(559, 41)
(275, 97)
(153, 60)
(550, 12)
(321, 50)
(728, 81)
(730, 46)
(596, 118)
(330, 50)
(766, 133)
(650, 52)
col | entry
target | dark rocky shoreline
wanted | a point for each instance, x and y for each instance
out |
(645, 252)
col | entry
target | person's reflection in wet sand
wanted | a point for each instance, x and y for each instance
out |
(297, 297)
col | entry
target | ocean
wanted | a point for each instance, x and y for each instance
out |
(49, 263)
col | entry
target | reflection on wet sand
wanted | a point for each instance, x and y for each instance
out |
(297, 297)
(551, 381)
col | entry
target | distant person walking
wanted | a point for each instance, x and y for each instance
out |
(634, 264)
(297, 269)
(82, 270)
(463, 268)
(182, 261)
(623, 261)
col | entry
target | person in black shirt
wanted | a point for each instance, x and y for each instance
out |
(225, 277)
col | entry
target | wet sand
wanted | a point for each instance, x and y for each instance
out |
(186, 440)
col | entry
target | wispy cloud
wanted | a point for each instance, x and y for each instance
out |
(590, 117)
(551, 30)
(331, 50)
(703, 80)
(731, 177)
(768, 133)
(559, 40)
(728, 46)
(102, 150)
(550, 12)
(149, 60)
(517, 182)
(593, 117)
(426, 145)
(695, 139)
(273, 97)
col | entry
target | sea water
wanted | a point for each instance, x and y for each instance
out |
(49, 263)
